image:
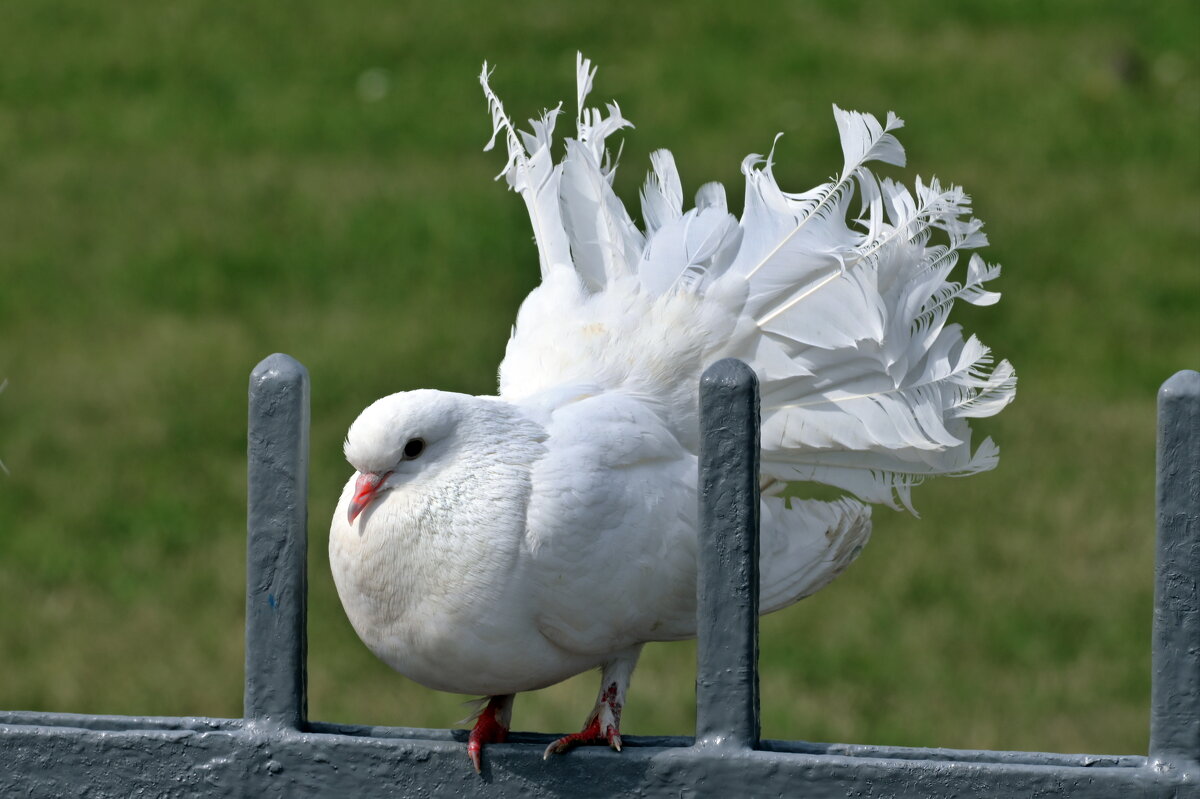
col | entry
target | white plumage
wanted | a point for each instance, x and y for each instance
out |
(492, 545)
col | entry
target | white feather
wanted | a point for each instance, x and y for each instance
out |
(662, 196)
(531, 172)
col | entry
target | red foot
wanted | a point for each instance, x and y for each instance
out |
(596, 733)
(487, 730)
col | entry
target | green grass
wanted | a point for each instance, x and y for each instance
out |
(187, 187)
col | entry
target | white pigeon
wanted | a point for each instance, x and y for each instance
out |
(490, 545)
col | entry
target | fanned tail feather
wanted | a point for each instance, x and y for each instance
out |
(577, 219)
(865, 385)
(531, 172)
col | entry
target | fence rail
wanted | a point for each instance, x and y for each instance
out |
(275, 751)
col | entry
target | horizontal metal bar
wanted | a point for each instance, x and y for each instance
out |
(265, 761)
(11, 719)
(109, 723)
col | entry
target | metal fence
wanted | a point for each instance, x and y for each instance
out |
(276, 751)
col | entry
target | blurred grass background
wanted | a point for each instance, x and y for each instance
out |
(186, 187)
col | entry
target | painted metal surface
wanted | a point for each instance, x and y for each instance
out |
(1175, 688)
(277, 544)
(276, 751)
(727, 709)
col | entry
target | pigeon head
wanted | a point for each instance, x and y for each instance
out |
(398, 437)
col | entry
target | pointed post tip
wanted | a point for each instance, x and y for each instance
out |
(279, 366)
(1184, 383)
(729, 372)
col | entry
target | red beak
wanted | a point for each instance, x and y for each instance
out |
(364, 492)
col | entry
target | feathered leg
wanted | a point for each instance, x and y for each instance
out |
(603, 726)
(490, 728)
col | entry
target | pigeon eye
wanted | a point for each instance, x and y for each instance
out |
(413, 448)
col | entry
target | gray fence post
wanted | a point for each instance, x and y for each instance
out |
(727, 708)
(1175, 687)
(277, 544)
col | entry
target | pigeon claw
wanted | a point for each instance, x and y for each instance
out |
(591, 735)
(487, 730)
(603, 726)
